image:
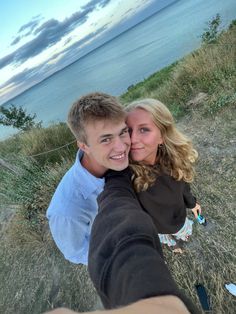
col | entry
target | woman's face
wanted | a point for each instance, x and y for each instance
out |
(145, 136)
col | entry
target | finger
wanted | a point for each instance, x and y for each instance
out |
(195, 212)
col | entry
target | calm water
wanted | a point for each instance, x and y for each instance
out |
(134, 55)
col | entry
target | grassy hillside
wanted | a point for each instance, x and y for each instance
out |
(200, 90)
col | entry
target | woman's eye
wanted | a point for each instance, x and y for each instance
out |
(143, 130)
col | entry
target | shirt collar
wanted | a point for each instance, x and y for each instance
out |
(88, 182)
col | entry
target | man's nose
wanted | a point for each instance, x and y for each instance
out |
(120, 144)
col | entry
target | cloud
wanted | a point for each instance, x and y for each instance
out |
(28, 26)
(48, 34)
(16, 40)
(31, 25)
(91, 5)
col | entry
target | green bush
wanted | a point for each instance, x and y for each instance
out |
(17, 117)
(212, 31)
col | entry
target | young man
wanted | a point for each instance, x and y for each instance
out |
(98, 122)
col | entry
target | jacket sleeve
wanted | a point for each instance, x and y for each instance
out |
(125, 257)
(189, 199)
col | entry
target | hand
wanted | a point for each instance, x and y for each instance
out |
(162, 304)
(196, 210)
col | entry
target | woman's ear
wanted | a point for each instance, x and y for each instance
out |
(161, 140)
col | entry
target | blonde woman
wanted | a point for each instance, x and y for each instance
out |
(162, 160)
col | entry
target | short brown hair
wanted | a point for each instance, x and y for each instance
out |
(93, 107)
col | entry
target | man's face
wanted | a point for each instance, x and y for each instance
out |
(108, 144)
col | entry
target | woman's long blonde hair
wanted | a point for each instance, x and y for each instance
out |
(175, 156)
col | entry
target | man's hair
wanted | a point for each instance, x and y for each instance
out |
(90, 108)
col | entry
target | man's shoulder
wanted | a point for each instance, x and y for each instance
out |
(68, 194)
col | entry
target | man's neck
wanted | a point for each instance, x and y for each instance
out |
(92, 166)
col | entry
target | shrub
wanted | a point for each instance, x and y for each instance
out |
(232, 24)
(18, 118)
(211, 32)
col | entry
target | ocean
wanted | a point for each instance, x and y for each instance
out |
(163, 38)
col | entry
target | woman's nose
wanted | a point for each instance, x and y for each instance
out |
(133, 137)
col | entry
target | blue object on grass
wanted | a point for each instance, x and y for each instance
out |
(203, 297)
(201, 220)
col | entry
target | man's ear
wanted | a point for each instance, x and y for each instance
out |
(84, 147)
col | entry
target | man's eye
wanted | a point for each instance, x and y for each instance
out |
(106, 140)
(124, 132)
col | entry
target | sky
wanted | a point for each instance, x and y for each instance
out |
(38, 38)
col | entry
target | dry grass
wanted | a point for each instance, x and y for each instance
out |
(35, 277)
(210, 256)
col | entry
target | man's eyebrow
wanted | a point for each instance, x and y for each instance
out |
(105, 135)
(111, 135)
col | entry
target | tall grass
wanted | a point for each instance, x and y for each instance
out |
(46, 145)
(31, 187)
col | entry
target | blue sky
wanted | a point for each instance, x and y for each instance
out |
(42, 37)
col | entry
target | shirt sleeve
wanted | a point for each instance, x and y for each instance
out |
(71, 237)
(189, 199)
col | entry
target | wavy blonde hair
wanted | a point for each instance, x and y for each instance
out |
(176, 156)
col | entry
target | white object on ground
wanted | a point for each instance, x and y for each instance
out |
(231, 287)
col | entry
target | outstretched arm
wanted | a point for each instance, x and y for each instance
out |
(125, 257)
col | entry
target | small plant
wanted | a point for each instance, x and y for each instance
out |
(211, 32)
(232, 24)
(220, 101)
(18, 118)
